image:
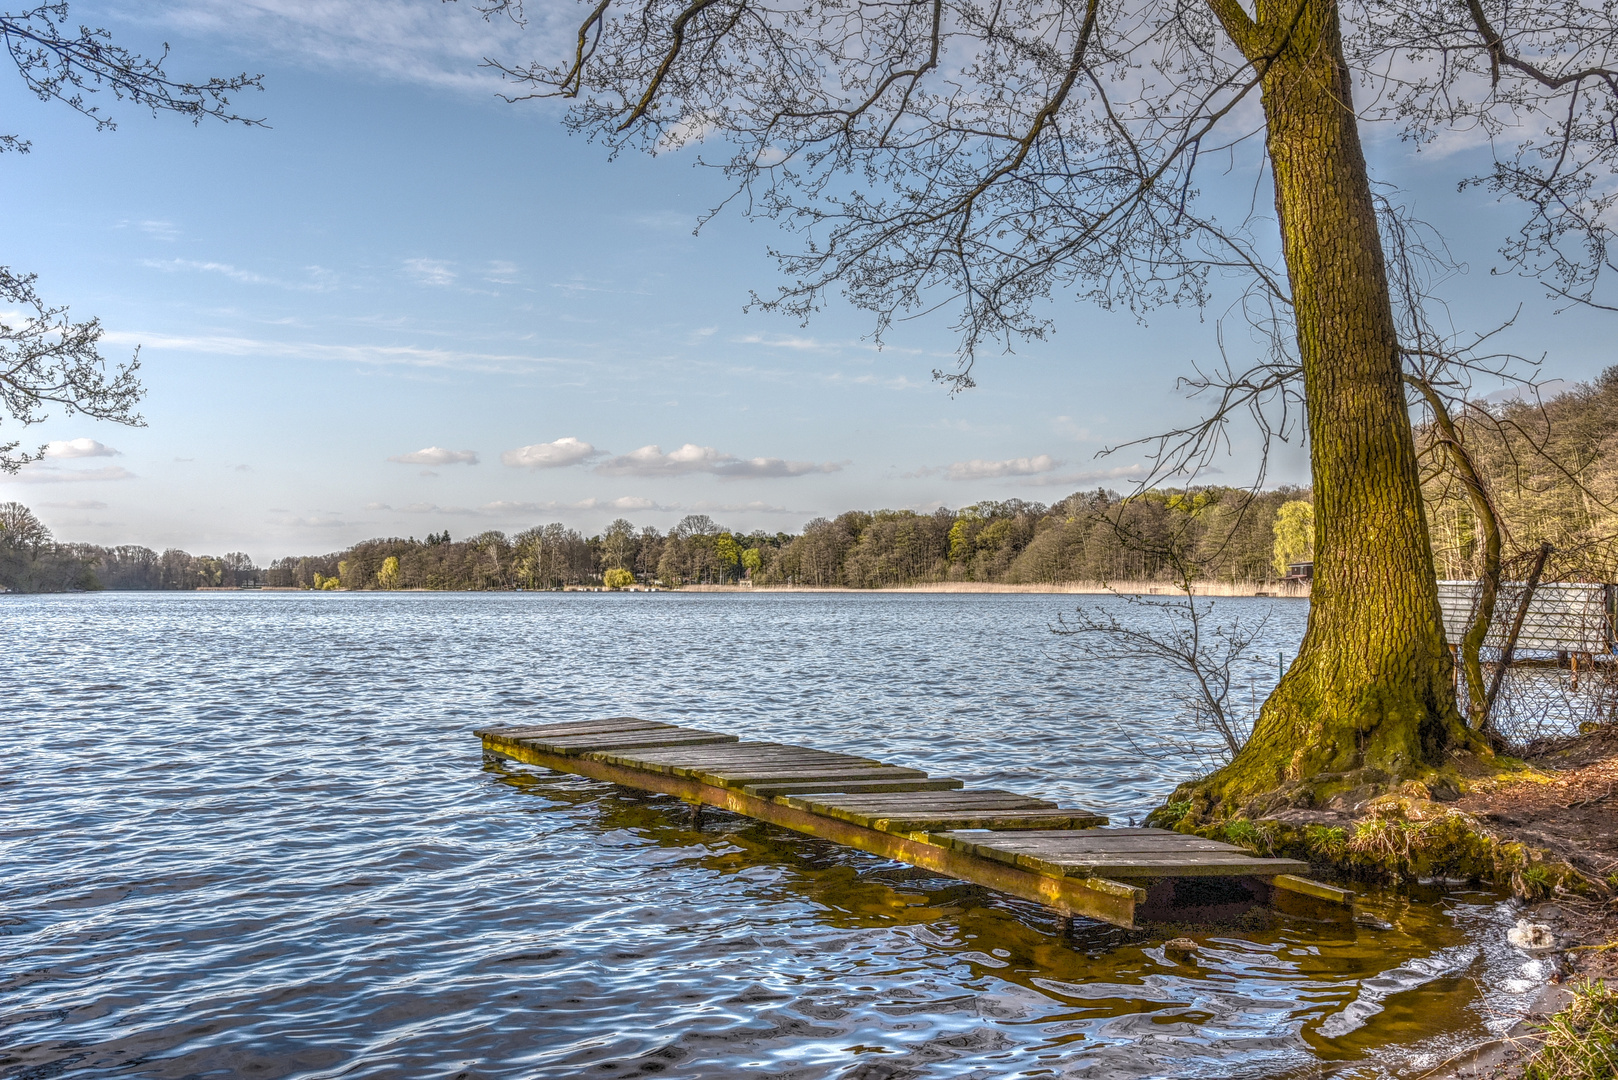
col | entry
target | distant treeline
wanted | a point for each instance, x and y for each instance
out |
(1213, 533)
(1217, 532)
(32, 561)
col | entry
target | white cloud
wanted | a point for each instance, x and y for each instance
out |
(651, 461)
(380, 355)
(691, 458)
(437, 45)
(78, 448)
(77, 504)
(501, 272)
(159, 230)
(752, 468)
(437, 455)
(745, 508)
(552, 455)
(435, 272)
(423, 508)
(319, 523)
(978, 469)
(505, 508)
(684, 132)
(1122, 472)
(623, 502)
(39, 473)
(320, 277)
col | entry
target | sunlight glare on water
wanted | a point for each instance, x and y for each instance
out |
(252, 834)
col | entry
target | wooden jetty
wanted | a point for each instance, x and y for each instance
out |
(1026, 847)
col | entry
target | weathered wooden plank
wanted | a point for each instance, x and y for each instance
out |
(596, 744)
(741, 777)
(776, 789)
(750, 746)
(1035, 841)
(998, 820)
(1082, 863)
(994, 820)
(668, 762)
(921, 802)
(740, 752)
(586, 727)
(945, 798)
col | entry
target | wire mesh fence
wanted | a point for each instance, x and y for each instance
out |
(1560, 654)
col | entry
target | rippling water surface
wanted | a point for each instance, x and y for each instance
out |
(252, 835)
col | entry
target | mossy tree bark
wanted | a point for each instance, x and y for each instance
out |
(1370, 693)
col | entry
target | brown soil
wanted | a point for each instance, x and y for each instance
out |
(1574, 814)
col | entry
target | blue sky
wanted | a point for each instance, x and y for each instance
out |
(407, 306)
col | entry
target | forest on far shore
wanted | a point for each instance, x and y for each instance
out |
(1212, 532)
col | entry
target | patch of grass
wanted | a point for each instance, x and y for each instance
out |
(1581, 1041)
(1244, 832)
(1326, 841)
(1169, 815)
(1537, 882)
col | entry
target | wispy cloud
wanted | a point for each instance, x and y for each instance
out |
(437, 45)
(787, 341)
(500, 272)
(41, 473)
(437, 455)
(978, 469)
(319, 279)
(78, 448)
(409, 356)
(438, 273)
(552, 455)
(691, 458)
(318, 521)
(506, 508)
(159, 230)
(622, 502)
(77, 504)
(1122, 472)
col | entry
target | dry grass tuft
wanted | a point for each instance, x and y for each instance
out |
(1581, 1041)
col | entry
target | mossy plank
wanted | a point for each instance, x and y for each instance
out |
(775, 789)
(588, 727)
(990, 799)
(1316, 889)
(740, 777)
(998, 820)
(595, 744)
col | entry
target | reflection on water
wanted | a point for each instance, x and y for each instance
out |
(251, 834)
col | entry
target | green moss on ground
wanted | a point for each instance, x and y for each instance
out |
(1396, 838)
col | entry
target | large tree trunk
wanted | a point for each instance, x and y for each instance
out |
(1369, 697)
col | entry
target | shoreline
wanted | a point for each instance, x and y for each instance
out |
(1294, 590)
(1284, 590)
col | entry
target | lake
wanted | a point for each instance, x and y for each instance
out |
(251, 834)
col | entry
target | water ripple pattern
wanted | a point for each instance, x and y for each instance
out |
(251, 835)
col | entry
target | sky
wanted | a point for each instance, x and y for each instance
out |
(405, 305)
